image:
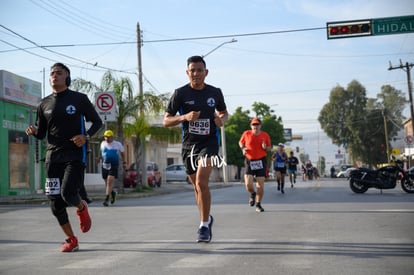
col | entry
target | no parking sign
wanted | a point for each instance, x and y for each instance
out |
(106, 105)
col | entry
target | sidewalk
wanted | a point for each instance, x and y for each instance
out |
(97, 193)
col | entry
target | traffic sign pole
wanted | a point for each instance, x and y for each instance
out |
(106, 105)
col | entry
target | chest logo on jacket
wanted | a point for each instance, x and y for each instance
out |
(211, 102)
(70, 110)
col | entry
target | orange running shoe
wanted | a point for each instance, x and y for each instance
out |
(70, 245)
(85, 221)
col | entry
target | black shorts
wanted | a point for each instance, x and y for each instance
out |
(112, 171)
(280, 169)
(201, 151)
(64, 180)
(257, 168)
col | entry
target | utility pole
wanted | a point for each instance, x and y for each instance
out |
(387, 146)
(407, 67)
(143, 163)
(140, 85)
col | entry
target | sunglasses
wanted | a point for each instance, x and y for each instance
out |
(255, 124)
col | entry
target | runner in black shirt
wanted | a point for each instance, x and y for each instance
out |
(292, 163)
(61, 118)
(202, 111)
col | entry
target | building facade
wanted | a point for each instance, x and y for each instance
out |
(20, 158)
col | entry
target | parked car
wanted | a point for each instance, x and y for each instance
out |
(346, 166)
(176, 172)
(346, 173)
(131, 179)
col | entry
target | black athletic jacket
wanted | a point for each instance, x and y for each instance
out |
(61, 116)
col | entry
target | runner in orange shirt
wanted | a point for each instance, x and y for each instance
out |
(254, 144)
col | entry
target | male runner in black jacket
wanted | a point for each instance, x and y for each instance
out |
(61, 118)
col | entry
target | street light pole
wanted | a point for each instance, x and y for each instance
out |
(222, 131)
(219, 46)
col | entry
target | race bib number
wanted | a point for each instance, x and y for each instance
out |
(52, 186)
(280, 164)
(199, 127)
(256, 164)
(106, 166)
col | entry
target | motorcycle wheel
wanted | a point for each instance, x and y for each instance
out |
(357, 187)
(407, 185)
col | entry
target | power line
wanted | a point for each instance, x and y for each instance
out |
(96, 21)
(46, 47)
(183, 39)
(64, 55)
(153, 41)
(233, 35)
(273, 92)
(38, 55)
(238, 49)
(69, 17)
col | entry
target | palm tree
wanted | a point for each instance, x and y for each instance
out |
(124, 94)
(129, 122)
(139, 128)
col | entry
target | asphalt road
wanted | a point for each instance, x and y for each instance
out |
(318, 227)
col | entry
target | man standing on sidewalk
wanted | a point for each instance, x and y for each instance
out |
(60, 118)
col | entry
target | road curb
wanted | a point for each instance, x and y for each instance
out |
(100, 196)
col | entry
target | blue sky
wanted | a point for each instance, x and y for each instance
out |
(293, 72)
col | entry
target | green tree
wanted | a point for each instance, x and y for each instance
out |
(338, 116)
(385, 110)
(321, 165)
(239, 122)
(371, 132)
(358, 123)
(270, 122)
(139, 128)
(124, 94)
(127, 114)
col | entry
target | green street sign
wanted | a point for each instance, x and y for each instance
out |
(392, 25)
(368, 27)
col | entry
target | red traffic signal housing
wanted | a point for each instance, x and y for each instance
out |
(344, 29)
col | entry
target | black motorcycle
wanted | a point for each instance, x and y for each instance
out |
(361, 179)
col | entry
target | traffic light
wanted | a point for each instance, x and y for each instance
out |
(345, 29)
